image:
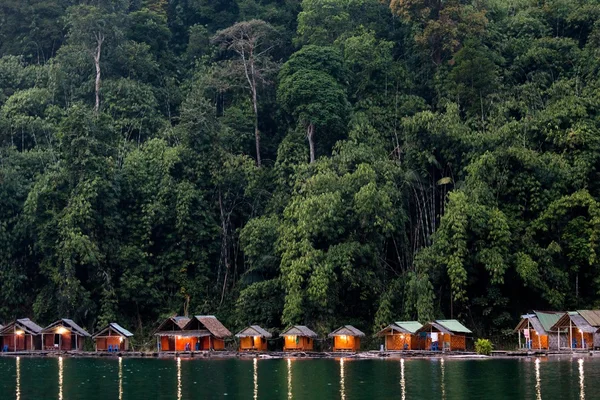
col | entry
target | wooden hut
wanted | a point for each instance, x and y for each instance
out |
(443, 334)
(253, 338)
(170, 335)
(63, 334)
(401, 335)
(298, 337)
(202, 332)
(535, 330)
(577, 329)
(346, 338)
(211, 333)
(593, 318)
(112, 337)
(21, 335)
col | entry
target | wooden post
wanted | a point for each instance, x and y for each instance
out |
(519, 339)
(570, 334)
(76, 346)
(558, 338)
(15, 335)
(42, 341)
(60, 342)
(539, 340)
(581, 338)
(529, 331)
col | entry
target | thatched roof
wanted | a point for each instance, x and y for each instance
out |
(24, 324)
(252, 331)
(115, 328)
(68, 324)
(175, 323)
(346, 330)
(211, 323)
(450, 326)
(403, 327)
(194, 333)
(299, 330)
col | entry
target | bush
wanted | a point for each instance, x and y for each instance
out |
(484, 346)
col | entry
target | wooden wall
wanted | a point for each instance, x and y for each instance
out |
(253, 343)
(350, 343)
(397, 342)
(302, 343)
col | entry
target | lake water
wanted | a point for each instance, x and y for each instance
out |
(142, 379)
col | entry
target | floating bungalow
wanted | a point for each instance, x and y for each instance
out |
(298, 337)
(346, 338)
(170, 332)
(202, 332)
(20, 335)
(537, 332)
(113, 337)
(576, 328)
(401, 335)
(63, 334)
(253, 338)
(443, 334)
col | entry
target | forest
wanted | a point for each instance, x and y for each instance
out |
(278, 162)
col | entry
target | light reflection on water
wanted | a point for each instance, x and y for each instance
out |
(342, 380)
(255, 379)
(402, 379)
(18, 394)
(443, 379)
(581, 380)
(289, 378)
(179, 378)
(538, 380)
(52, 378)
(120, 378)
(60, 378)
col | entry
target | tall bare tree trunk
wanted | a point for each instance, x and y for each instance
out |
(310, 133)
(99, 40)
(256, 131)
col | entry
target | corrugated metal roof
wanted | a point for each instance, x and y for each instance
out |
(24, 324)
(453, 325)
(409, 326)
(68, 324)
(254, 330)
(548, 319)
(530, 321)
(346, 330)
(116, 327)
(591, 316)
(299, 330)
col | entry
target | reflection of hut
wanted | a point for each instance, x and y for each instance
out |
(170, 336)
(253, 338)
(113, 336)
(63, 334)
(21, 335)
(401, 335)
(346, 338)
(444, 334)
(536, 329)
(577, 330)
(298, 337)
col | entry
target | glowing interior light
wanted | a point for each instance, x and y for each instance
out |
(62, 331)
(19, 333)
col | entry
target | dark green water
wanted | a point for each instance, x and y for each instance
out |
(141, 379)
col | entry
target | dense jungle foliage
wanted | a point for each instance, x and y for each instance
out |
(283, 161)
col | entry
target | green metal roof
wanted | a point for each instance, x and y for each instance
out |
(453, 325)
(548, 319)
(410, 326)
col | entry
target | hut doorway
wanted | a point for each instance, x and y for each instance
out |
(57, 340)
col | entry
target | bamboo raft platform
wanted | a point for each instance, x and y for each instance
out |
(373, 354)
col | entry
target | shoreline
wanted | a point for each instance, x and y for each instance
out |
(364, 355)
